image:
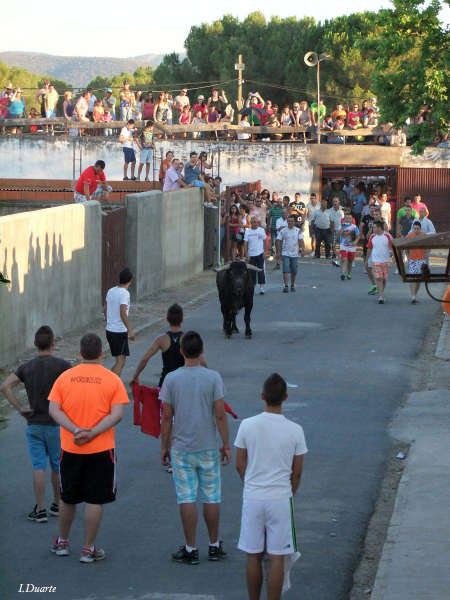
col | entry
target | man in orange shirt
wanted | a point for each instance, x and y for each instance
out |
(417, 258)
(86, 404)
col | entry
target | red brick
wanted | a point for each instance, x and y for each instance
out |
(28, 195)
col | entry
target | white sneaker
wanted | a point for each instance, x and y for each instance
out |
(396, 272)
(270, 258)
(312, 254)
(209, 205)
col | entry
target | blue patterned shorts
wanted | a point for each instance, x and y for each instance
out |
(196, 470)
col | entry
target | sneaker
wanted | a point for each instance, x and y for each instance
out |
(169, 469)
(270, 258)
(54, 510)
(373, 290)
(414, 301)
(396, 272)
(285, 289)
(133, 178)
(335, 263)
(276, 267)
(60, 548)
(380, 300)
(292, 288)
(349, 277)
(261, 292)
(4, 280)
(343, 277)
(365, 271)
(88, 555)
(216, 553)
(137, 178)
(39, 517)
(184, 556)
(312, 254)
(126, 179)
(146, 179)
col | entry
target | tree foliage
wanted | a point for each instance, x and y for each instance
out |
(411, 58)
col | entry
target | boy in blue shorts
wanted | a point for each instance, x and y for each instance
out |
(146, 146)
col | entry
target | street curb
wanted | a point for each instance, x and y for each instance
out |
(443, 345)
(149, 324)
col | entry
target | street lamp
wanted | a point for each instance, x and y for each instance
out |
(312, 59)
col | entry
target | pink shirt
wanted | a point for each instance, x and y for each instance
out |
(170, 182)
(417, 205)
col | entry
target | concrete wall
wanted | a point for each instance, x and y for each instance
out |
(286, 168)
(164, 239)
(53, 259)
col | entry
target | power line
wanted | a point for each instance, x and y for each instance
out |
(283, 87)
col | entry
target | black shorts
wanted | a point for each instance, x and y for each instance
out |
(88, 477)
(118, 343)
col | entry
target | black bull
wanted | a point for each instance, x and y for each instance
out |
(236, 291)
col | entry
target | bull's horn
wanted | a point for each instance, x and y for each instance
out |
(253, 268)
(224, 268)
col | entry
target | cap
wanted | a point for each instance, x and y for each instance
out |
(108, 90)
(371, 110)
(373, 99)
(200, 97)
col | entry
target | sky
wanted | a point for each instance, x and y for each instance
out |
(102, 33)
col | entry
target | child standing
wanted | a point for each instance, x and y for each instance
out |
(185, 117)
(198, 118)
(146, 146)
(33, 115)
(107, 116)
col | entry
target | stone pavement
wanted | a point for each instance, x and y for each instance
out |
(415, 564)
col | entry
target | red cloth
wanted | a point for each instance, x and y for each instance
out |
(149, 419)
(229, 410)
(92, 178)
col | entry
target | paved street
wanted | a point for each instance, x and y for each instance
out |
(349, 361)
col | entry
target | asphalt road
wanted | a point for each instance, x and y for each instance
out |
(350, 361)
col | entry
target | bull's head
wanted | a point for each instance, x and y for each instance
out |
(238, 273)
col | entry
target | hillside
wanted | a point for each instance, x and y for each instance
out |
(77, 70)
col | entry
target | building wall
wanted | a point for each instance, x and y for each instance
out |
(286, 168)
(164, 239)
(53, 259)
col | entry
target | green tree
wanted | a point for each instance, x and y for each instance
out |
(411, 57)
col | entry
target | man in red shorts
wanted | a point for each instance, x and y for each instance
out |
(348, 240)
(379, 251)
(86, 402)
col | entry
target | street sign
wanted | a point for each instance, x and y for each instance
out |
(239, 66)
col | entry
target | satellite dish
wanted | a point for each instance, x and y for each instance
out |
(311, 59)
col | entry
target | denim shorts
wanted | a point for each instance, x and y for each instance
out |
(44, 442)
(130, 156)
(99, 192)
(196, 470)
(290, 264)
(146, 156)
(198, 183)
(50, 114)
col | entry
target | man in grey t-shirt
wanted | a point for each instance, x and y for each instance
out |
(193, 412)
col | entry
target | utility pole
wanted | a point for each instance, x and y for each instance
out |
(239, 66)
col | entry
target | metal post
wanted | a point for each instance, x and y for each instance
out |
(318, 102)
(240, 84)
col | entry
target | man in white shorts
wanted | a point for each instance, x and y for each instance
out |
(269, 459)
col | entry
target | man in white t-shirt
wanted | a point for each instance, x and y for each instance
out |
(379, 252)
(348, 235)
(337, 214)
(311, 208)
(118, 328)
(254, 252)
(291, 240)
(269, 458)
(281, 224)
(126, 139)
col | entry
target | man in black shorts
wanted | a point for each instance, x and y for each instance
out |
(118, 329)
(87, 402)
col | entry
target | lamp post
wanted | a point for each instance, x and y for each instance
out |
(312, 59)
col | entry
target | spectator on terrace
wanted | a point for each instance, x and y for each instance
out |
(339, 112)
(200, 105)
(335, 138)
(286, 120)
(203, 161)
(212, 116)
(364, 109)
(185, 117)
(110, 102)
(173, 180)
(126, 138)
(268, 108)
(50, 103)
(68, 106)
(169, 101)
(317, 121)
(161, 110)
(97, 114)
(179, 103)
(371, 119)
(165, 164)
(354, 117)
(81, 109)
(126, 102)
(91, 103)
(137, 107)
(107, 117)
(398, 138)
(16, 109)
(33, 115)
(148, 107)
(373, 104)
(295, 113)
(197, 120)
(274, 123)
(220, 100)
(39, 97)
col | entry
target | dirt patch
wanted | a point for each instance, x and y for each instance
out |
(148, 314)
(429, 376)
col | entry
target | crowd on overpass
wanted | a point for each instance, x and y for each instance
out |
(163, 108)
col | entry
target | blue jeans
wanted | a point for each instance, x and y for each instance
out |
(290, 264)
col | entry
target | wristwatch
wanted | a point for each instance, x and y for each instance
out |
(76, 430)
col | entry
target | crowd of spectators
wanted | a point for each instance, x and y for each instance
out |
(181, 110)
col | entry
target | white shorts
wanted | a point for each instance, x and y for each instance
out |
(268, 525)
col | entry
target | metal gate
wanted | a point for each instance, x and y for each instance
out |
(113, 247)
(434, 187)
